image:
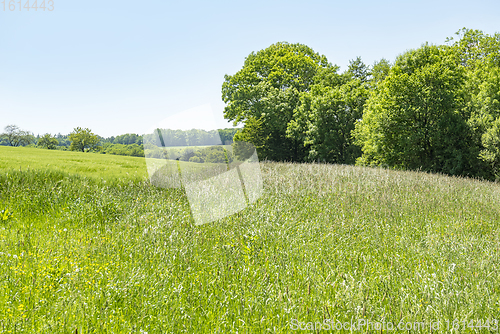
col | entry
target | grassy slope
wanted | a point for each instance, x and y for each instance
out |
(334, 242)
(97, 166)
(106, 166)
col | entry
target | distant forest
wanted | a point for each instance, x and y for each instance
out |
(129, 144)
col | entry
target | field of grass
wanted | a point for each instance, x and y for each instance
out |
(325, 242)
(101, 166)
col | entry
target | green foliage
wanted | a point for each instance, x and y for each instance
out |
(14, 136)
(242, 151)
(226, 135)
(264, 93)
(193, 137)
(380, 70)
(187, 154)
(486, 118)
(127, 139)
(325, 119)
(212, 154)
(133, 150)
(254, 133)
(328, 76)
(64, 142)
(357, 70)
(195, 159)
(415, 119)
(215, 155)
(491, 144)
(290, 101)
(48, 142)
(5, 214)
(475, 48)
(84, 140)
(433, 109)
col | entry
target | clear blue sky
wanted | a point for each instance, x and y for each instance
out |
(121, 66)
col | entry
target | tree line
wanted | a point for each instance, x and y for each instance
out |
(193, 137)
(435, 108)
(130, 144)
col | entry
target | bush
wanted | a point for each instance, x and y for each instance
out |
(195, 159)
(133, 150)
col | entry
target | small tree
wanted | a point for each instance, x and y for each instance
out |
(83, 140)
(48, 142)
(17, 137)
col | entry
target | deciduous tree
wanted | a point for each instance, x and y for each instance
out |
(325, 119)
(48, 142)
(415, 120)
(17, 137)
(83, 140)
(380, 70)
(264, 93)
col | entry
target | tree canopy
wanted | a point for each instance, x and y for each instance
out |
(14, 136)
(436, 108)
(83, 140)
(324, 121)
(414, 121)
(264, 94)
(48, 142)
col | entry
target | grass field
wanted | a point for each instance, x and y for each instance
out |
(99, 166)
(102, 167)
(324, 242)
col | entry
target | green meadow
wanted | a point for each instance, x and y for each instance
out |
(324, 245)
(99, 166)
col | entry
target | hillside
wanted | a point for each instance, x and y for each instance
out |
(324, 242)
(108, 167)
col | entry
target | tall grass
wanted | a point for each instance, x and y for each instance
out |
(324, 242)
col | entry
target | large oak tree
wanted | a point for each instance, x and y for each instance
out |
(265, 92)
